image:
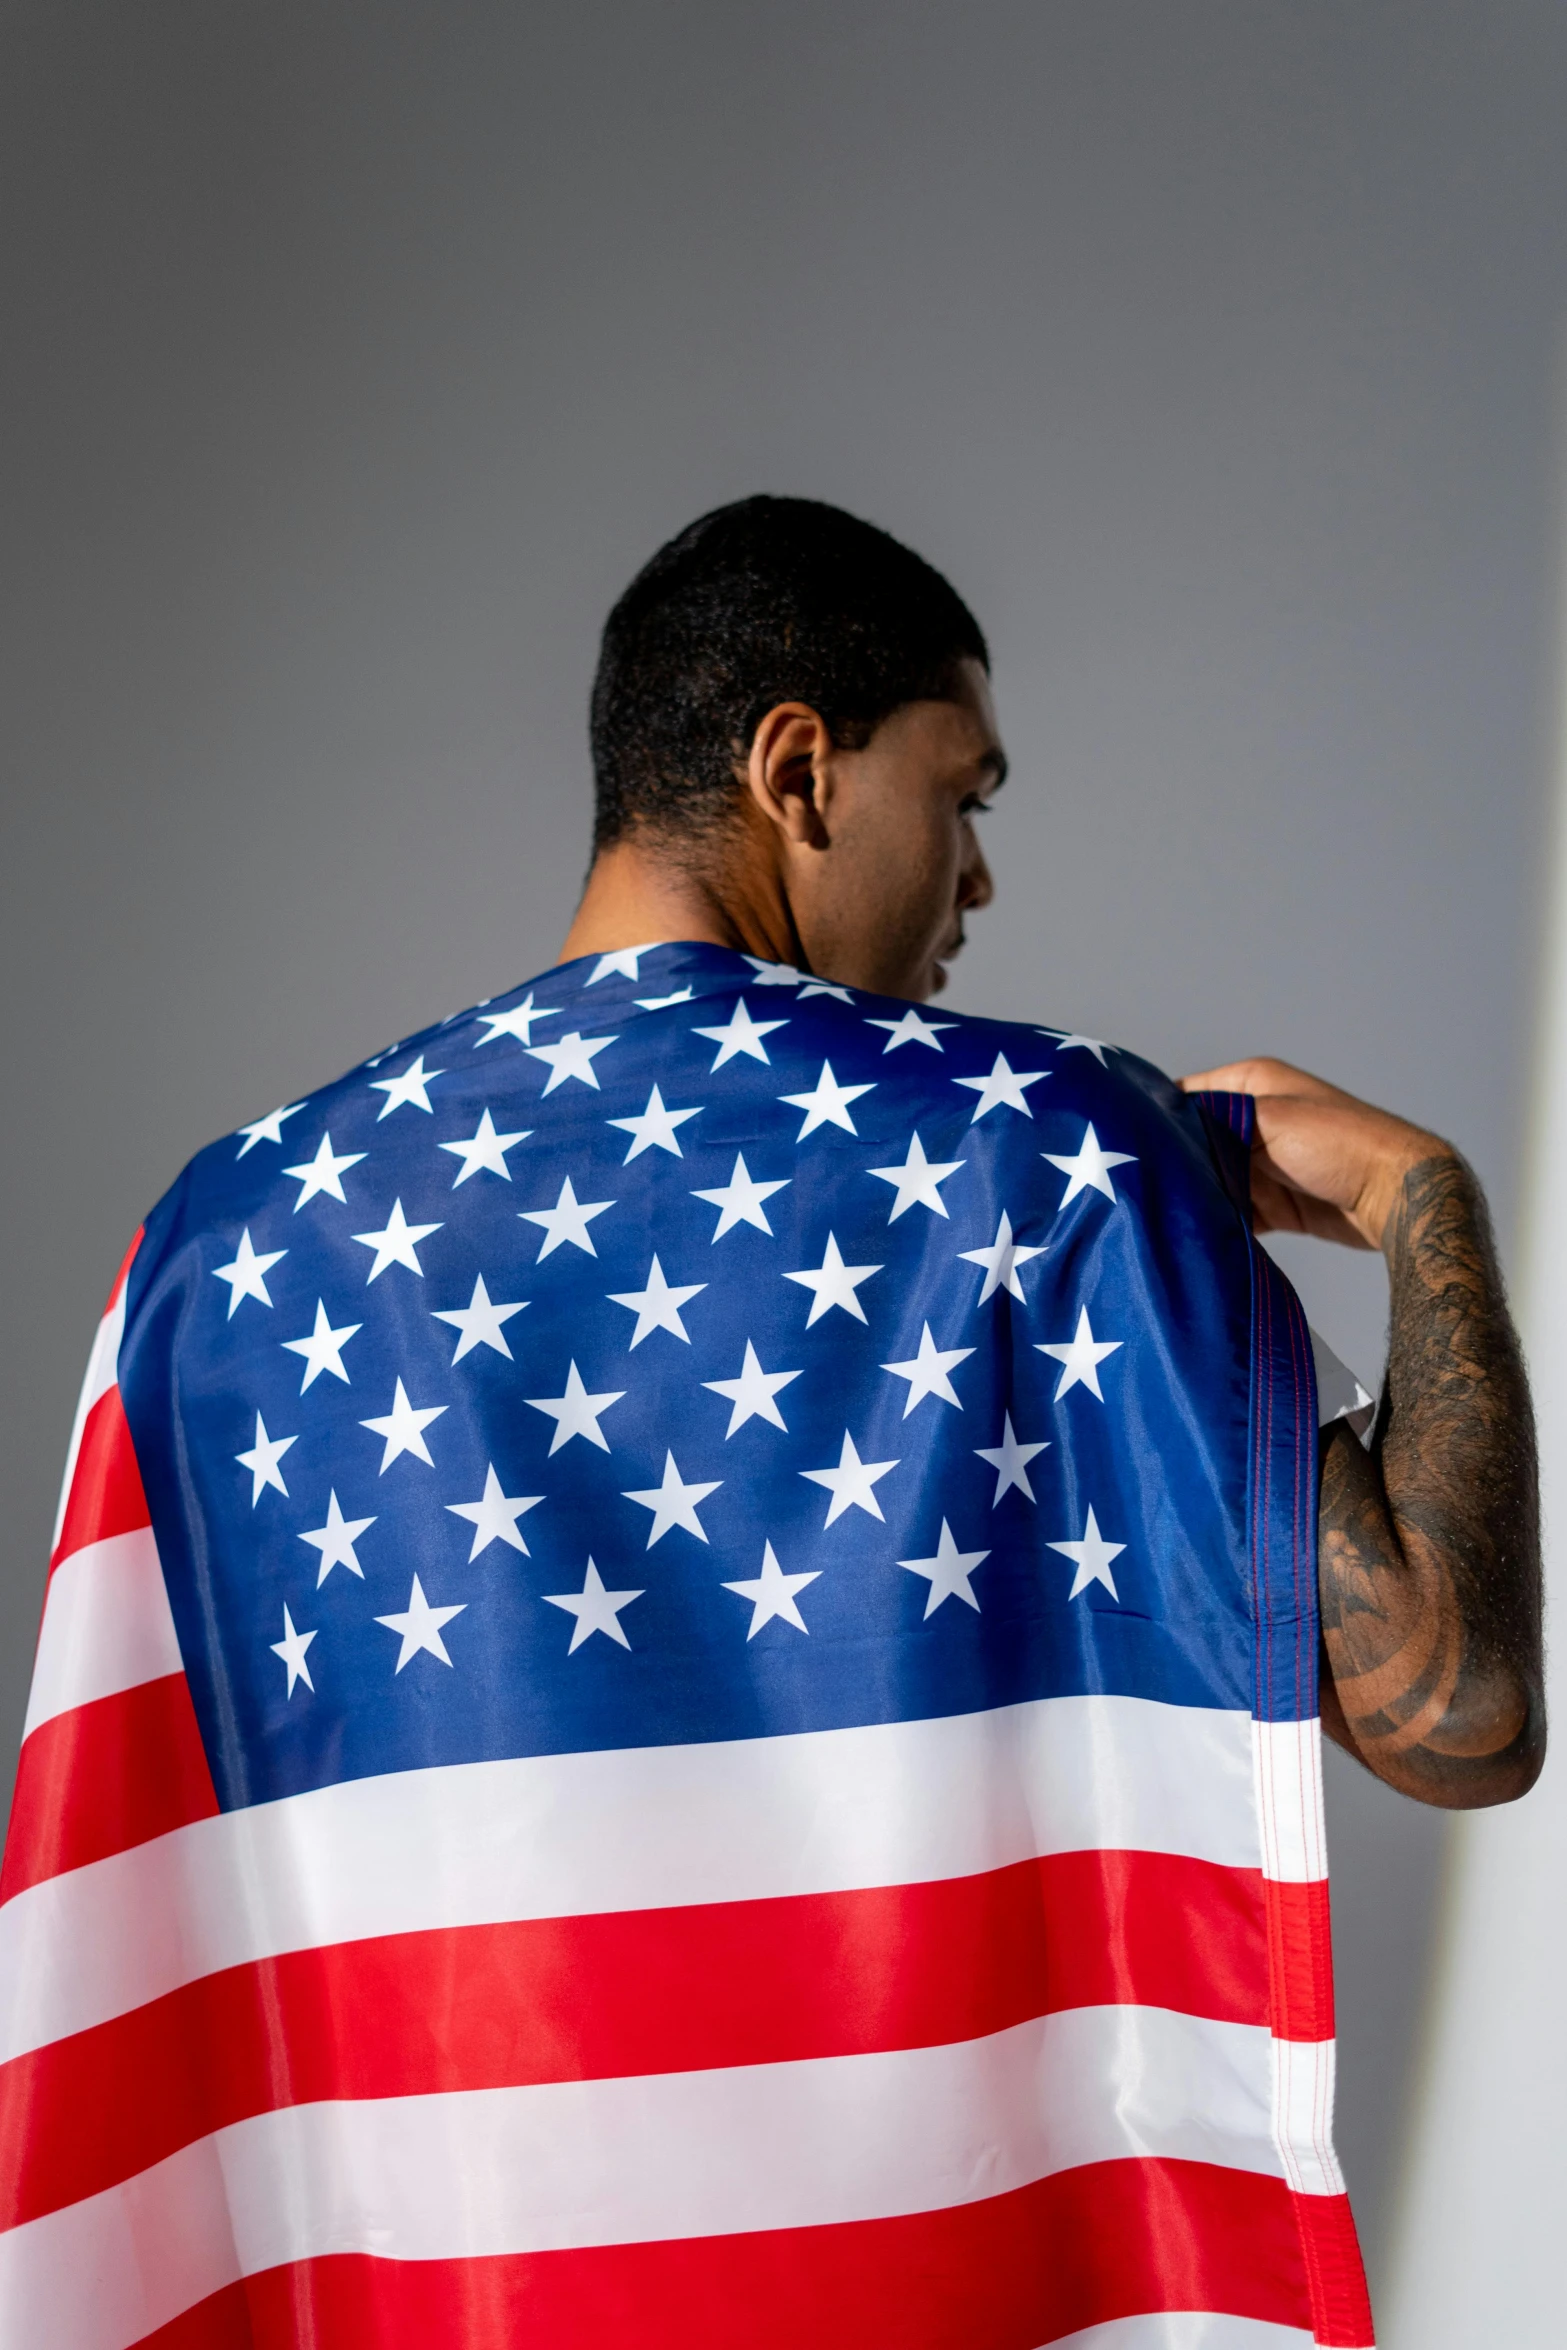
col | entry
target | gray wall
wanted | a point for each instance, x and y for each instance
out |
(352, 358)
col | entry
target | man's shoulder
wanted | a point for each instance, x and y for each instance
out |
(1000, 1064)
(751, 1024)
(307, 1147)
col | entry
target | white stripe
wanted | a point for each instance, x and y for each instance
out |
(1294, 1844)
(1184, 2329)
(647, 1828)
(1303, 2076)
(106, 1626)
(1289, 1799)
(103, 1368)
(570, 2164)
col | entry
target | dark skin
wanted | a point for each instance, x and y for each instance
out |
(861, 865)
(857, 864)
(1428, 1543)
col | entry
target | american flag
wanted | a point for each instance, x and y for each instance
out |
(677, 1706)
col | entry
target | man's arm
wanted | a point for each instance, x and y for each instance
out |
(1428, 1544)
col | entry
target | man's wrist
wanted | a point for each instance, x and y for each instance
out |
(1389, 1190)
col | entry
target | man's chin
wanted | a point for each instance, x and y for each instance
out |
(940, 971)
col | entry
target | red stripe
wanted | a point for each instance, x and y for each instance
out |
(1115, 2239)
(1300, 1958)
(1339, 2300)
(651, 1991)
(103, 1777)
(222, 2322)
(122, 1275)
(106, 1494)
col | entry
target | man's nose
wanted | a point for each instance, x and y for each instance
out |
(976, 888)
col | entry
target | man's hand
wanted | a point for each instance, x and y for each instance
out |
(1323, 1162)
(1428, 1546)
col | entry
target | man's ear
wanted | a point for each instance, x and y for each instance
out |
(789, 773)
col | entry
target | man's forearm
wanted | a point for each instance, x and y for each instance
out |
(1429, 1549)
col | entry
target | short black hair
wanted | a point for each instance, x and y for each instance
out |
(769, 600)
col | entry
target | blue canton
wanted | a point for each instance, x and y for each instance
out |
(680, 1348)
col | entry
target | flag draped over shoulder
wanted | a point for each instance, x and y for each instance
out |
(677, 1708)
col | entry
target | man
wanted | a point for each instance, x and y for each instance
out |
(678, 1697)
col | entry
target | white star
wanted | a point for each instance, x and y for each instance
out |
(752, 1393)
(262, 1461)
(494, 1516)
(1010, 1461)
(1092, 1558)
(927, 1373)
(1096, 1045)
(403, 1429)
(916, 1180)
(1001, 1089)
(620, 960)
(479, 1322)
(834, 1283)
(246, 1276)
(518, 1022)
(774, 974)
(419, 1626)
(824, 987)
(595, 1609)
(771, 1594)
(576, 1413)
(396, 1244)
(335, 1541)
(658, 1306)
(1001, 1260)
(913, 1028)
(291, 1648)
(1080, 1358)
(323, 1173)
(655, 1128)
(484, 1149)
(850, 1483)
(741, 1035)
(948, 1572)
(567, 1220)
(827, 1104)
(672, 1503)
(267, 1129)
(661, 1003)
(739, 1201)
(323, 1349)
(1090, 1169)
(408, 1090)
(572, 1057)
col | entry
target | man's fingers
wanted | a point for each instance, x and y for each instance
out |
(1277, 1206)
(1323, 1161)
(1262, 1076)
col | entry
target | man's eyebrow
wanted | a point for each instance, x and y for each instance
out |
(997, 763)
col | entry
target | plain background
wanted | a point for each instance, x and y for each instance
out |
(354, 357)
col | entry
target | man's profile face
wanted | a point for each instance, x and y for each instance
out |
(886, 907)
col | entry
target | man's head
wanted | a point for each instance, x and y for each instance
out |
(792, 711)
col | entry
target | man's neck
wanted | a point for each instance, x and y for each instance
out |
(637, 897)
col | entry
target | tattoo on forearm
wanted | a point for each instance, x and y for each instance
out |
(1429, 1545)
